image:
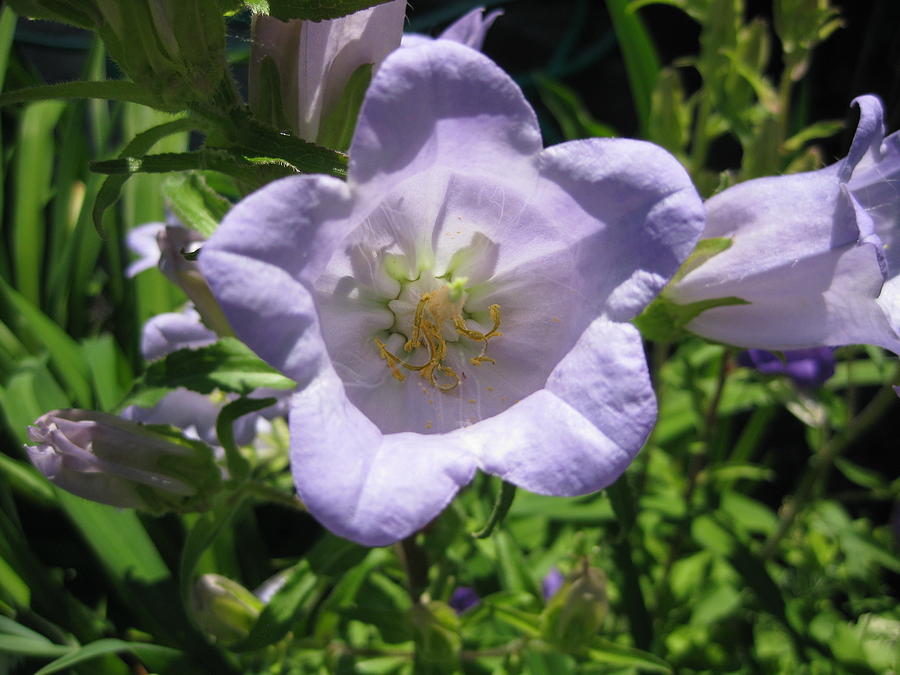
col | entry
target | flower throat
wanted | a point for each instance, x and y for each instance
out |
(434, 309)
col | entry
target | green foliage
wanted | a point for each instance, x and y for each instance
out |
(228, 365)
(750, 535)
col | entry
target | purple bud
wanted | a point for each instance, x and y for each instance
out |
(464, 598)
(808, 368)
(113, 461)
(552, 582)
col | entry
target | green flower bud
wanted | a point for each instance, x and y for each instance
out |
(224, 610)
(113, 461)
(575, 613)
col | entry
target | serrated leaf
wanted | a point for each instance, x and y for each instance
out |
(312, 10)
(139, 145)
(227, 365)
(111, 90)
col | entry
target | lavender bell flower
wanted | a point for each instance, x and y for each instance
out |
(809, 252)
(808, 368)
(460, 302)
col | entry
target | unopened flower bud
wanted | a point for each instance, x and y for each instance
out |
(224, 610)
(575, 613)
(175, 244)
(113, 461)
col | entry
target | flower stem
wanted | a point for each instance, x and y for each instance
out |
(501, 508)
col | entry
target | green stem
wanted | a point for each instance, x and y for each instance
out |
(268, 493)
(501, 508)
(415, 561)
(822, 462)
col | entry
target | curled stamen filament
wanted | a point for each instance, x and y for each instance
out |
(424, 329)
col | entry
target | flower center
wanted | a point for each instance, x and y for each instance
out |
(438, 318)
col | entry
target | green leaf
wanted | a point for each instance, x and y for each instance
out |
(111, 90)
(639, 55)
(65, 354)
(196, 205)
(338, 123)
(110, 374)
(24, 646)
(160, 655)
(202, 534)
(670, 116)
(823, 129)
(33, 183)
(282, 611)
(228, 365)
(252, 170)
(137, 146)
(703, 251)
(570, 112)
(238, 467)
(313, 10)
(664, 321)
(604, 651)
(118, 538)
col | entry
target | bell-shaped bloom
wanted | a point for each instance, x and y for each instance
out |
(460, 302)
(808, 368)
(315, 59)
(809, 252)
(113, 461)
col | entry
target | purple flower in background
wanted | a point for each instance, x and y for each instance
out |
(808, 368)
(809, 252)
(460, 302)
(470, 30)
(552, 582)
(463, 598)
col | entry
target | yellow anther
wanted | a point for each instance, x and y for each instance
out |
(427, 328)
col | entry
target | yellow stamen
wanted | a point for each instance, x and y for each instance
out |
(427, 328)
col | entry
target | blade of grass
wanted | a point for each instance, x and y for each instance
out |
(7, 30)
(65, 353)
(639, 54)
(33, 174)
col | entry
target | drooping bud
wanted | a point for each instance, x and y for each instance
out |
(224, 610)
(109, 460)
(575, 613)
(311, 64)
